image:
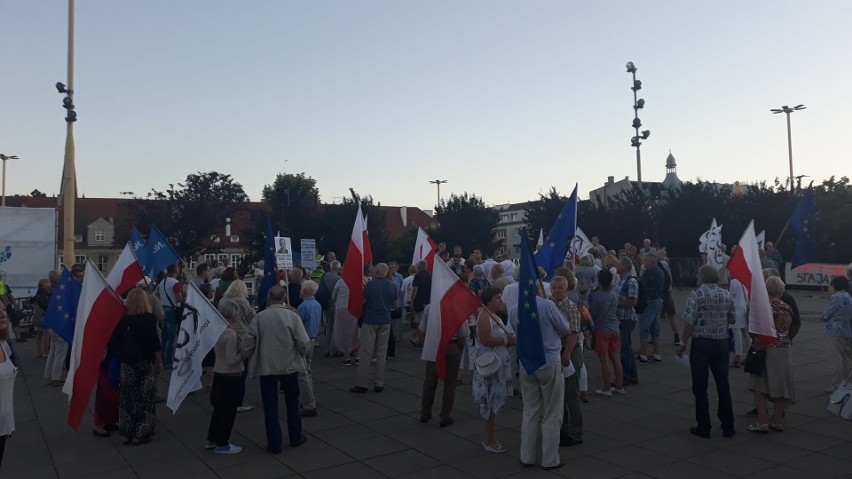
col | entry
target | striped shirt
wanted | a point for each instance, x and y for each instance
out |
(710, 310)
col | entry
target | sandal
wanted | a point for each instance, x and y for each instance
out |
(496, 447)
(759, 428)
(776, 427)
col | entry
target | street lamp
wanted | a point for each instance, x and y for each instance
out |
(786, 109)
(438, 182)
(638, 104)
(68, 188)
(5, 158)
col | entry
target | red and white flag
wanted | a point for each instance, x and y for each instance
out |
(126, 273)
(353, 266)
(98, 312)
(368, 252)
(745, 267)
(452, 302)
(424, 249)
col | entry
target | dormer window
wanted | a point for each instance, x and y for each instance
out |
(100, 236)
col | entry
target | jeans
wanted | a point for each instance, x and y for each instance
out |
(170, 327)
(649, 320)
(711, 355)
(225, 397)
(430, 384)
(269, 397)
(572, 421)
(628, 361)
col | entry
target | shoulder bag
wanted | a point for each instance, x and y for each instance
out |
(755, 361)
(489, 363)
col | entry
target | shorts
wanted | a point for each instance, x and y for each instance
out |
(668, 304)
(649, 320)
(606, 343)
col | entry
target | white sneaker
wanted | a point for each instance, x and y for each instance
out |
(244, 408)
(229, 449)
(210, 445)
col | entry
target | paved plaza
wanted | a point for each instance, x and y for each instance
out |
(642, 434)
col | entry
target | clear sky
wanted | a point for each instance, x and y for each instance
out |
(502, 98)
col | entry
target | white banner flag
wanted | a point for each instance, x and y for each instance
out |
(710, 243)
(580, 245)
(309, 254)
(197, 334)
(283, 253)
(761, 239)
(27, 247)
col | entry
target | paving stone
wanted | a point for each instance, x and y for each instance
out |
(402, 463)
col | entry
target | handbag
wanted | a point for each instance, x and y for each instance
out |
(755, 361)
(840, 401)
(488, 364)
(585, 315)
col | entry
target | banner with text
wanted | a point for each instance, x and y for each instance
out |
(27, 247)
(813, 274)
(309, 254)
(283, 253)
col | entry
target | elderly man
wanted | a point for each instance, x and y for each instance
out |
(571, 432)
(329, 281)
(276, 344)
(379, 299)
(453, 354)
(543, 390)
(311, 313)
(708, 313)
(652, 284)
(628, 294)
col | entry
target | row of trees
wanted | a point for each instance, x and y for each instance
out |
(192, 211)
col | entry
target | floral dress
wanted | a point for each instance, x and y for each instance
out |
(491, 392)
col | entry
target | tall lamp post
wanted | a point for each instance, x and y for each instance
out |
(5, 158)
(439, 183)
(638, 104)
(68, 187)
(786, 109)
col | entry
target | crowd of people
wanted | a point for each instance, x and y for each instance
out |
(592, 302)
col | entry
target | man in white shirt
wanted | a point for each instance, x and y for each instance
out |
(170, 293)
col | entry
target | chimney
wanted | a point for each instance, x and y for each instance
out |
(403, 212)
(610, 180)
(227, 226)
(111, 220)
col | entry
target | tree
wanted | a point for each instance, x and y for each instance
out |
(542, 214)
(38, 194)
(295, 200)
(466, 221)
(192, 214)
(336, 238)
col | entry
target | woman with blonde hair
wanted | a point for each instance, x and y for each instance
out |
(138, 346)
(237, 296)
(775, 384)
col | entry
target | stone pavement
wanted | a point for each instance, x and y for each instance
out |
(642, 434)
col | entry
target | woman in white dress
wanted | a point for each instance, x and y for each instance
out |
(8, 371)
(491, 392)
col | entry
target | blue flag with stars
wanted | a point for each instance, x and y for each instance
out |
(160, 252)
(62, 309)
(555, 248)
(803, 223)
(269, 276)
(140, 248)
(530, 342)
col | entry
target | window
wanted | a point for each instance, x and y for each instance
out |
(102, 263)
(78, 238)
(236, 259)
(209, 258)
(235, 238)
(501, 233)
(100, 236)
(79, 259)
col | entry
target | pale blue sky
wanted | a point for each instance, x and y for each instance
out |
(501, 98)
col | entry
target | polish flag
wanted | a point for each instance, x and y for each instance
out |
(452, 302)
(424, 249)
(353, 266)
(368, 252)
(745, 267)
(126, 273)
(98, 312)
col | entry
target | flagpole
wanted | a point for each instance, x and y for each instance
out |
(783, 230)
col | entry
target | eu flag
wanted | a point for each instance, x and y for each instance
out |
(530, 343)
(62, 309)
(160, 252)
(140, 248)
(803, 223)
(552, 253)
(269, 275)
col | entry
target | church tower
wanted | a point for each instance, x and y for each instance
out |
(671, 181)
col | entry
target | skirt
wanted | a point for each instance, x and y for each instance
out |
(137, 395)
(777, 379)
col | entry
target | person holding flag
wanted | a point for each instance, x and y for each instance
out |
(540, 328)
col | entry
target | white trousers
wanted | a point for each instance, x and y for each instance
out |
(55, 365)
(543, 393)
